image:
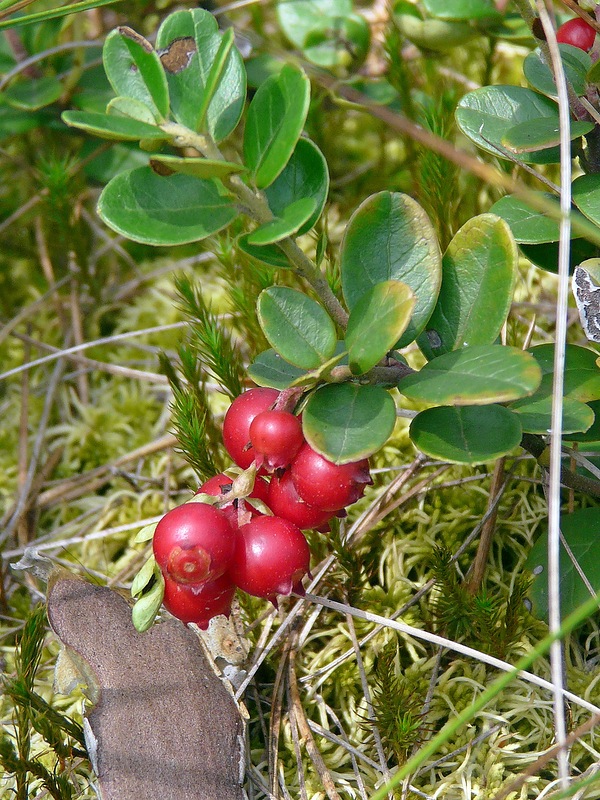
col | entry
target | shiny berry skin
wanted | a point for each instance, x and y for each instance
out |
(218, 486)
(577, 33)
(276, 435)
(239, 416)
(326, 485)
(199, 604)
(271, 557)
(193, 543)
(284, 501)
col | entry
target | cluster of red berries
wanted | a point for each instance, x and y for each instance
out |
(205, 552)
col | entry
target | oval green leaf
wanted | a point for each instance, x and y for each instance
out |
(545, 255)
(291, 220)
(535, 414)
(485, 115)
(540, 134)
(109, 126)
(377, 322)
(528, 226)
(31, 95)
(134, 70)
(305, 175)
(164, 210)
(270, 369)
(299, 17)
(580, 533)
(575, 357)
(197, 167)
(146, 608)
(586, 196)
(479, 274)
(468, 10)
(576, 63)
(205, 72)
(269, 254)
(592, 434)
(131, 108)
(390, 237)
(476, 375)
(582, 376)
(274, 123)
(296, 326)
(466, 435)
(346, 422)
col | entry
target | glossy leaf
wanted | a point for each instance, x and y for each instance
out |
(468, 10)
(376, 323)
(575, 357)
(109, 126)
(305, 175)
(485, 115)
(31, 95)
(269, 254)
(296, 326)
(545, 256)
(346, 422)
(291, 220)
(479, 275)
(591, 434)
(582, 375)
(270, 369)
(476, 375)
(134, 70)
(535, 414)
(205, 74)
(580, 533)
(466, 435)
(586, 196)
(274, 123)
(390, 237)
(299, 17)
(131, 108)
(196, 167)
(576, 63)
(164, 210)
(540, 134)
(527, 225)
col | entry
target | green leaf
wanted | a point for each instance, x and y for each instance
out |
(107, 126)
(270, 369)
(144, 576)
(390, 237)
(132, 109)
(296, 326)
(145, 534)
(545, 256)
(528, 226)
(586, 196)
(291, 220)
(468, 10)
(576, 63)
(32, 94)
(580, 533)
(164, 210)
(146, 608)
(541, 134)
(346, 422)
(343, 42)
(433, 34)
(476, 375)
(535, 413)
(591, 434)
(274, 123)
(305, 175)
(269, 254)
(575, 357)
(134, 70)
(582, 375)
(466, 435)
(298, 18)
(376, 323)
(485, 114)
(206, 76)
(196, 167)
(479, 274)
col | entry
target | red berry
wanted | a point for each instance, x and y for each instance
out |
(271, 557)
(284, 501)
(236, 425)
(577, 33)
(199, 604)
(219, 485)
(193, 543)
(277, 435)
(326, 485)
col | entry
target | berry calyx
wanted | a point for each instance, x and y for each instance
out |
(271, 557)
(193, 543)
(199, 604)
(277, 436)
(220, 486)
(577, 33)
(326, 485)
(239, 416)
